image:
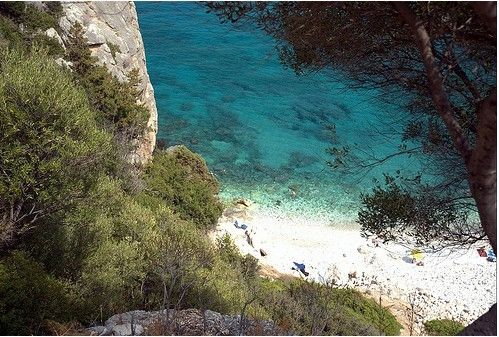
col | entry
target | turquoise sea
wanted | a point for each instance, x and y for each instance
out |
(262, 129)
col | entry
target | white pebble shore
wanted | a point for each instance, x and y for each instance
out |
(455, 284)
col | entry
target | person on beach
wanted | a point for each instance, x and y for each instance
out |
(240, 226)
(300, 267)
(249, 239)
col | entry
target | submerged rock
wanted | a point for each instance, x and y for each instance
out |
(244, 202)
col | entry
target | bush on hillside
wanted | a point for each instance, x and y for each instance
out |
(368, 311)
(51, 148)
(9, 33)
(228, 252)
(29, 296)
(182, 181)
(309, 308)
(13, 36)
(443, 327)
(30, 16)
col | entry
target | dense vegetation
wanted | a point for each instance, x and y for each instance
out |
(85, 234)
(443, 327)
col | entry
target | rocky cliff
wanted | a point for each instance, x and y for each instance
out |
(114, 37)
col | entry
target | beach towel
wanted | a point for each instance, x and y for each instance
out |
(491, 256)
(300, 267)
(417, 255)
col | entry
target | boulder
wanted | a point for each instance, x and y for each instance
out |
(126, 330)
(63, 63)
(215, 324)
(52, 33)
(98, 331)
(190, 322)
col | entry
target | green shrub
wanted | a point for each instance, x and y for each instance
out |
(54, 8)
(182, 181)
(51, 148)
(368, 311)
(34, 19)
(30, 16)
(306, 308)
(28, 296)
(13, 9)
(9, 33)
(228, 252)
(12, 36)
(115, 101)
(114, 49)
(110, 256)
(443, 327)
(53, 47)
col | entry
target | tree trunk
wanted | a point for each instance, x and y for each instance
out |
(481, 161)
(482, 168)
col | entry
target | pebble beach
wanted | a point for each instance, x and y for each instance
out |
(452, 283)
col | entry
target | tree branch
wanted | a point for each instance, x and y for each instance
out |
(435, 82)
(488, 11)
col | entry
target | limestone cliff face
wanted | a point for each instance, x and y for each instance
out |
(114, 37)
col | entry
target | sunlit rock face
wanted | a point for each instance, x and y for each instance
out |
(114, 37)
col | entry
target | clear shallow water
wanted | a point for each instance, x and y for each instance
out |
(262, 129)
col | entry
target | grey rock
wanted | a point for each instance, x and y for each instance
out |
(215, 323)
(63, 63)
(190, 322)
(126, 330)
(51, 32)
(97, 330)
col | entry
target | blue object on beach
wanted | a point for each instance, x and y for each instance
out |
(491, 256)
(300, 266)
(240, 226)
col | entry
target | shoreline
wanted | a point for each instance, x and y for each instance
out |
(342, 255)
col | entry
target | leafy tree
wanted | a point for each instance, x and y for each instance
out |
(50, 145)
(182, 253)
(418, 212)
(77, 51)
